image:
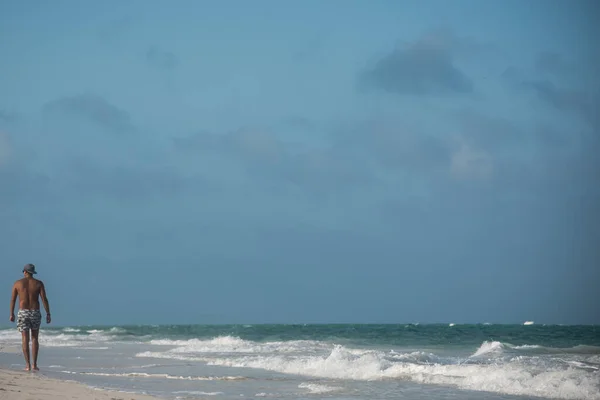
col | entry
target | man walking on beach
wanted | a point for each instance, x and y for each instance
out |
(29, 317)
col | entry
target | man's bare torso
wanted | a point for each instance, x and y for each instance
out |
(29, 290)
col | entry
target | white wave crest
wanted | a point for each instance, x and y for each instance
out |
(488, 347)
(527, 346)
(417, 357)
(534, 348)
(232, 344)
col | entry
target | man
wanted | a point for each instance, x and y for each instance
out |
(29, 317)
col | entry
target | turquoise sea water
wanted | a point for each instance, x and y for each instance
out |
(338, 361)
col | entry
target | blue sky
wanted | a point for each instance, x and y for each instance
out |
(314, 161)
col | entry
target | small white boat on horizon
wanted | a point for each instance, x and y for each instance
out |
(528, 323)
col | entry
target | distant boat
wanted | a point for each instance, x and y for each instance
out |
(451, 325)
(528, 323)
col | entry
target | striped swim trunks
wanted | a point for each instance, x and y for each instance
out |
(29, 319)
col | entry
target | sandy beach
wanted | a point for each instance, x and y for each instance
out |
(22, 385)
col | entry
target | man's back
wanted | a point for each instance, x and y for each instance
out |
(29, 290)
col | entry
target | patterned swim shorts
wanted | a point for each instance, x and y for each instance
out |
(29, 319)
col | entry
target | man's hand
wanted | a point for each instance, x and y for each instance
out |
(48, 319)
(12, 317)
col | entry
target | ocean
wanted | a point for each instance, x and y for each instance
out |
(338, 362)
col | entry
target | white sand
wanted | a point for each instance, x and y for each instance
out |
(23, 385)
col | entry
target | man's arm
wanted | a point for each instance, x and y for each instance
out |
(13, 300)
(45, 301)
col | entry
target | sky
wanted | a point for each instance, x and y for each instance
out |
(303, 162)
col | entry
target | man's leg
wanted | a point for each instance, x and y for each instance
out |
(25, 339)
(35, 347)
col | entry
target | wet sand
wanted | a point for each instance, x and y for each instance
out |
(23, 385)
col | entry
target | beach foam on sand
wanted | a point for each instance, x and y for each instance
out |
(22, 385)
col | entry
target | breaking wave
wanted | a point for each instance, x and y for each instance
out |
(493, 367)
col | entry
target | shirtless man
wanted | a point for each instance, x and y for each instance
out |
(29, 317)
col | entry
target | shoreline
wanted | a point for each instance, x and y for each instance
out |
(23, 385)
